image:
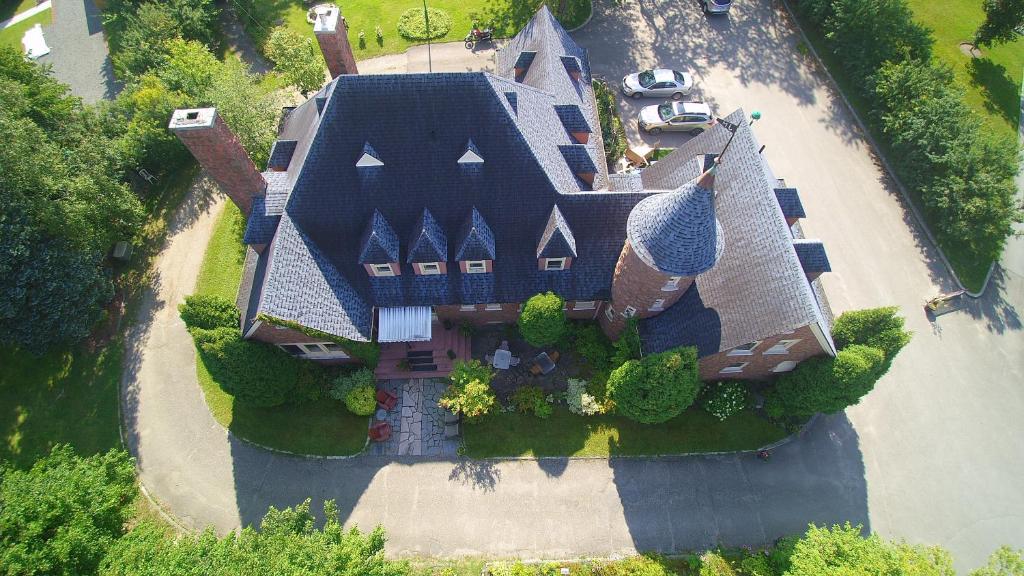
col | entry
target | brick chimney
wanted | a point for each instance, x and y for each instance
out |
(332, 35)
(220, 153)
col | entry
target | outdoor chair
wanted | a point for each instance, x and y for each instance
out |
(380, 431)
(514, 361)
(554, 356)
(386, 399)
(450, 417)
(535, 369)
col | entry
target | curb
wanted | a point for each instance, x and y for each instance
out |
(585, 22)
(885, 162)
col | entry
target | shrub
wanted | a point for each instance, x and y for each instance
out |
(579, 401)
(779, 555)
(472, 399)
(612, 133)
(361, 400)
(876, 327)
(467, 371)
(627, 347)
(542, 321)
(591, 344)
(723, 399)
(208, 312)
(345, 383)
(713, 564)
(826, 385)
(656, 388)
(842, 550)
(646, 565)
(531, 400)
(412, 24)
(757, 564)
(1005, 561)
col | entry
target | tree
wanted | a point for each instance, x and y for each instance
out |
(712, 564)
(1004, 19)
(826, 385)
(656, 388)
(1005, 561)
(542, 321)
(842, 550)
(876, 327)
(137, 122)
(208, 312)
(296, 58)
(470, 392)
(62, 515)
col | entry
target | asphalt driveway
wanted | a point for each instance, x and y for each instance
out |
(933, 455)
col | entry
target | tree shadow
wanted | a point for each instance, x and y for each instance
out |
(480, 474)
(1001, 92)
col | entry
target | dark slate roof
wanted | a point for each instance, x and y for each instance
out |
(261, 226)
(789, 201)
(758, 288)
(676, 232)
(379, 242)
(428, 241)
(812, 255)
(281, 154)
(557, 240)
(476, 241)
(278, 190)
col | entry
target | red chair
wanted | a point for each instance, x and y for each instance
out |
(386, 399)
(380, 431)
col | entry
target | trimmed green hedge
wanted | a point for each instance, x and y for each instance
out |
(656, 388)
(412, 24)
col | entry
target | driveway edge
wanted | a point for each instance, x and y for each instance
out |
(885, 162)
(585, 22)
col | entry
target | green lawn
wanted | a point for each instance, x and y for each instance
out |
(11, 36)
(507, 16)
(567, 434)
(323, 427)
(10, 8)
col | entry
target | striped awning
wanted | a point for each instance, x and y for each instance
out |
(405, 324)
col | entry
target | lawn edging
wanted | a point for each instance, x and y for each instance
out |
(885, 162)
(587, 21)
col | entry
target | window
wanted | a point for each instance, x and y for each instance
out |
(554, 263)
(782, 347)
(734, 368)
(292, 349)
(745, 349)
(430, 268)
(315, 350)
(584, 305)
(658, 305)
(785, 366)
(382, 270)
(672, 284)
(467, 308)
(609, 313)
(629, 311)
(492, 307)
(476, 266)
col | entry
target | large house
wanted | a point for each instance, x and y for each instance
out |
(392, 203)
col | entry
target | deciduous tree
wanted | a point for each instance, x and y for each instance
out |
(297, 58)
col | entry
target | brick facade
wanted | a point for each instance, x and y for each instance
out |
(220, 153)
(760, 364)
(332, 35)
(508, 314)
(272, 334)
(638, 285)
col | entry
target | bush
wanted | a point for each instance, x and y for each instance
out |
(842, 550)
(531, 400)
(412, 25)
(757, 564)
(591, 344)
(779, 555)
(627, 347)
(876, 327)
(345, 383)
(361, 401)
(646, 565)
(542, 321)
(467, 371)
(826, 385)
(723, 399)
(208, 312)
(713, 564)
(656, 388)
(612, 133)
(579, 401)
(472, 399)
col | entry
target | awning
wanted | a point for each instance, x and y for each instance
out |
(405, 324)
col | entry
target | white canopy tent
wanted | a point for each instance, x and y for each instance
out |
(34, 43)
(404, 324)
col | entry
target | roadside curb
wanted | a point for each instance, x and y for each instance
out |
(885, 162)
(585, 22)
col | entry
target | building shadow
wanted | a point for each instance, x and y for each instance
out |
(687, 503)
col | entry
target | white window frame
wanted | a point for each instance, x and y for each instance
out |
(315, 349)
(434, 268)
(467, 308)
(609, 312)
(584, 305)
(734, 368)
(378, 270)
(492, 307)
(481, 266)
(742, 351)
(560, 262)
(782, 347)
(785, 366)
(658, 306)
(672, 284)
(629, 312)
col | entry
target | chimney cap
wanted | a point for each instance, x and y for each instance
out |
(326, 20)
(192, 118)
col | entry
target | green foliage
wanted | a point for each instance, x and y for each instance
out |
(345, 383)
(287, 544)
(297, 59)
(612, 132)
(62, 515)
(876, 327)
(627, 347)
(413, 25)
(1003, 20)
(467, 371)
(140, 31)
(1005, 561)
(723, 399)
(591, 344)
(138, 121)
(470, 391)
(542, 321)
(656, 388)
(531, 400)
(367, 352)
(208, 312)
(757, 564)
(842, 550)
(646, 565)
(361, 401)
(713, 564)
(579, 400)
(780, 553)
(827, 385)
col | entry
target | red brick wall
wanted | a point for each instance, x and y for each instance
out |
(337, 50)
(639, 285)
(271, 334)
(221, 154)
(761, 364)
(509, 313)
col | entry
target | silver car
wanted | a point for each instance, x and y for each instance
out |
(716, 6)
(692, 117)
(661, 82)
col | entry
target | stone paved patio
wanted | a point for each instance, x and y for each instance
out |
(417, 421)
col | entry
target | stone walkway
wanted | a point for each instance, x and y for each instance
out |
(417, 421)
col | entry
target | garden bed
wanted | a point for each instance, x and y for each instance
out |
(487, 339)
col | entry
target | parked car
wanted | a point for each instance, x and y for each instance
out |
(661, 82)
(716, 6)
(692, 117)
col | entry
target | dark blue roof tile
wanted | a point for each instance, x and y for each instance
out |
(476, 241)
(379, 243)
(557, 240)
(428, 242)
(813, 258)
(789, 201)
(261, 226)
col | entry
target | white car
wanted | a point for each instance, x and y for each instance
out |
(661, 82)
(716, 6)
(692, 117)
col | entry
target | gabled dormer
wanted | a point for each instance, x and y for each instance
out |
(789, 201)
(475, 251)
(471, 155)
(523, 63)
(580, 164)
(378, 251)
(429, 247)
(812, 256)
(573, 67)
(557, 246)
(369, 158)
(574, 122)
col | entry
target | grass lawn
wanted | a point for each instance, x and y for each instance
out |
(11, 8)
(506, 16)
(11, 36)
(322, 427)
(567, 434)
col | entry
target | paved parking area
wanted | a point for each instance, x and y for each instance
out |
(79, 50)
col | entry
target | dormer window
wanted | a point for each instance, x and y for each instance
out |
(429, 268)
(475, 266)
(381, 270)
(556, 263)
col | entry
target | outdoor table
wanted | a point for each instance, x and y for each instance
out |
(545, 363)
(502, 359)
